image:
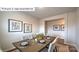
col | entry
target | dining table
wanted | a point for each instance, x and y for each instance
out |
(33, 46)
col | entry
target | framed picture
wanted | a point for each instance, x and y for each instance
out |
(56, 27)
(62, 27)
(14, 25)
(27, 28)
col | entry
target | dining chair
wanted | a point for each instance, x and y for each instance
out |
(52, 45)
(25, 37)
(30, 36)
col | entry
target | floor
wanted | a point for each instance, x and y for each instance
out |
(72, 49)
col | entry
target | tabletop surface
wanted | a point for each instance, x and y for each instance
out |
(33, 46)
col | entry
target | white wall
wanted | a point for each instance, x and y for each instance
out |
(8, 37)
(70, 28)
(77, 28)
(49, 28)
(0, 33)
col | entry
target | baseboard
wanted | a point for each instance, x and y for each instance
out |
(11, 50)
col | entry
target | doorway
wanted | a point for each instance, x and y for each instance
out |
(55, 27)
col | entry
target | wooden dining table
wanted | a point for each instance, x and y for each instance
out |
(33, 46)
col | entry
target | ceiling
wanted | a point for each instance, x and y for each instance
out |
(45, 12)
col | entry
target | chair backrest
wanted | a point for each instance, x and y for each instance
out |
(60, 41)
(28, 37)
(55, 40)
(25, 37)
(52, 45)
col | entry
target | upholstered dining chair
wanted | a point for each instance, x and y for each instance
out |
(52, 45)
(25, 37)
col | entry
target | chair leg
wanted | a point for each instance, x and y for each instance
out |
(55, 50)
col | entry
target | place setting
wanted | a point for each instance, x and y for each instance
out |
(24, 44)
(41, 42)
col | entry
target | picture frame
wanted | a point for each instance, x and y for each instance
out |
(56, 27)
(27, 28)
(62, 27)
(14, 25)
